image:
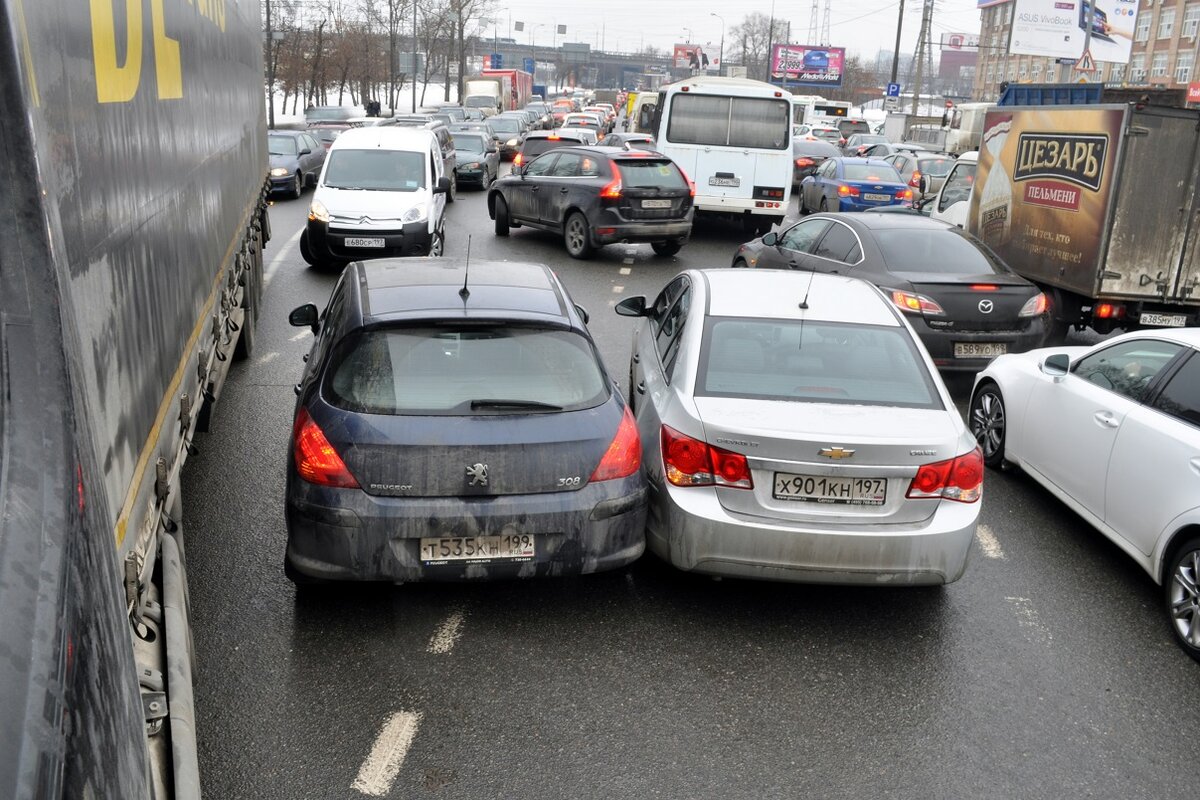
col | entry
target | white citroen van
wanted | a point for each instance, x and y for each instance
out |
(382, 193)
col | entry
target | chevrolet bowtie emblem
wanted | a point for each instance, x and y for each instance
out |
(835, 452)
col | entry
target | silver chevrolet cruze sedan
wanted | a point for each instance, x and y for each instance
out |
(794, 428)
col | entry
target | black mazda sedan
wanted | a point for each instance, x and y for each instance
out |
(966, 304)
(457, 424)
(596, 196)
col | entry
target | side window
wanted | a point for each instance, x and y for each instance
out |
(433, 170)
(1181, 396)
(568, 166)
(1126, 368)
(958, 186)
(542, 165)
(671, 334)
(663, 302)
(826, 169)
(590, 168)
(838, 244)
(802, 236)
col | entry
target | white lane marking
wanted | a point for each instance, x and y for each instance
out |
(267, 358)
(379, 771)
(278, 259)
(299, 336)
(1027, 617)
(628, 260)
(618, 289)
(445, 637)
(988, 542)
(626, 271)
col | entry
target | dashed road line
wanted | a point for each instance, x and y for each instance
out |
(266, 358)
(299, 336)
(1027, 618)
(626, 271)
(278, 259)
(379, 771)
(618, 289)
(988, 542)
(445, 637)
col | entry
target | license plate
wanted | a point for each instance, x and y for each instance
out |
(656, 204)
(879, 198)
(826, 489)
(354, 241)
(1165, 320)
(724, 181)
(478, 548)
(978, 350)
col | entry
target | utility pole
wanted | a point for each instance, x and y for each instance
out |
(413, 59)
(923, 51)
(812, 25)
(896, 52)
(270, 71)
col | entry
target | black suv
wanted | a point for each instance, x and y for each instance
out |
(595, 196)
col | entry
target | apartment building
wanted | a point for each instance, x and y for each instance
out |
(1164, 51)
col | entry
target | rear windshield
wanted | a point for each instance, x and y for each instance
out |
(871, 172)
(332, 113)
(813, 362)
(729, 121)
(949, 251)
(455, 114)
(540, 144)
(282, 145)
(506, 125)
(849, 126)
(455, 371)
(380, 170)
(647, 174)
(470, 142)
(935, 166)
(325, 134)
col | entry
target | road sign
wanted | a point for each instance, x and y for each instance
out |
(891, 103)
(1085, 63)
(497, 61)
(893, 90)
(527, 65)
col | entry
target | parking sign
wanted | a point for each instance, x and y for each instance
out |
(893, 90)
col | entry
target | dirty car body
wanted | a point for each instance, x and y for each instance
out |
(449, 437)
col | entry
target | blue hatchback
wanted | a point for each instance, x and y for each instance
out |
(458, 427)
(853, 184)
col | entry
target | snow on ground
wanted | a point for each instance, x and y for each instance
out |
(434, 93)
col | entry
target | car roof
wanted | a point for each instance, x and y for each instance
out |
(777, 294)
(390, 137)
(877, 222)
(411, 289)
(859, 160)
(545, 134)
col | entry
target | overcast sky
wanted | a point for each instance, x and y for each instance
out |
(861, 26)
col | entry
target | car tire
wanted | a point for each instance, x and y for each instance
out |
(666, 248)
(988, 422)
(824, 206)
(297, 186)
(453, 193)
(501, 212)
(485, 181)
(740, 263)
(437, 242)
(1182, 596)
(577, 236)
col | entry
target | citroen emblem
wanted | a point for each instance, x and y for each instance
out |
(835, 452)
(986, 306)
(364, 220)
(478, 474)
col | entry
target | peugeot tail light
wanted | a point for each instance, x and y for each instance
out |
(316, 459)
(624, 454)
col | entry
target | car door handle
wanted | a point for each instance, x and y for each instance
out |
(641, 387)
(637, 359)
(535, 188)
(564, 190)
(1106, 419)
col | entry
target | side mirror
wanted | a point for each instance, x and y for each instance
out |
(305, 316)
(518, 169)
(305, 152)
(770, 239)
(632, 307)
(1057, 365)
(443, 186)
(583, 313)
(923, 184)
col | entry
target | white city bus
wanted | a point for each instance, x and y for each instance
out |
(811, 109)
(733, 138)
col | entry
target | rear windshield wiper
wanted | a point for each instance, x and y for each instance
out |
(533, 405)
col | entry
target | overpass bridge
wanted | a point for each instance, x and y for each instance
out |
(574, 60)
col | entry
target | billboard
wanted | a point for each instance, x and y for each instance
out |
(1057, 28)
(689, 56)
(960, 41)
(1043, 185)
(804, 65)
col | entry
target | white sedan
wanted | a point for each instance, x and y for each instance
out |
(1113, 431)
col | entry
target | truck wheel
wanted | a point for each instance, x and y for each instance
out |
(577, 236)
(666, 248)
(297, 186)
(501, 212)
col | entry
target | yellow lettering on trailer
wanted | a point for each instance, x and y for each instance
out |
(166, 57)
(116, 83)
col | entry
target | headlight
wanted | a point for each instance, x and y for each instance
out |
(317, 212)
(474, 165)
(416, 214)
(513, 142)
(279, 172)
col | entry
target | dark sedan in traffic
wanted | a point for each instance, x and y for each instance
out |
(808, 155)
(456, 425)
(966, 304)
(296, 160)
(594, 196)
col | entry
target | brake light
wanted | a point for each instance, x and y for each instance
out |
(612, 189)
(518, 159)
(624, 454)
(803, 162)
(554, 137)
(1035, 306)
(316, 460)
(691, 462)
(984, 287)
(904, 194)
(915, 303)
(845, 190)
(915, 180)
(958, 479)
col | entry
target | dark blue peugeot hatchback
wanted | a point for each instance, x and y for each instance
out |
(450, 433)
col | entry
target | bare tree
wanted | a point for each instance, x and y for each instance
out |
(751, 42)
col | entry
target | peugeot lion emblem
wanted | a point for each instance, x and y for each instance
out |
(478, 474)
(986, 306)
(835, 452)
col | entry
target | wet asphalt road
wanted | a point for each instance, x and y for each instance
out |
(1048, 671)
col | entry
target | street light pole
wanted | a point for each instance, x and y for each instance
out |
(721, 57)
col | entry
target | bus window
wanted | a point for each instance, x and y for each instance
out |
(729, 121)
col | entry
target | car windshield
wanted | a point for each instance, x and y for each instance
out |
(504, 125)
(827, 134)
(813, 362)
(937, 167)
(949, 251)
(849, 126)
(470, 370)
(376, 170)
(282, 145)
(649, 174)
(468, 143)
(871, 172)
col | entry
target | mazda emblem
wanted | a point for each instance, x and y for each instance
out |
(986, 306)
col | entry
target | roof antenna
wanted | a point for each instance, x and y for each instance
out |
(464, 292)
(807, 289)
